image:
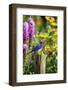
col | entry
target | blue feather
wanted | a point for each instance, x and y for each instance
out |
(37, 47)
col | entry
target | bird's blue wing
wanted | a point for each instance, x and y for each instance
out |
(36, 48)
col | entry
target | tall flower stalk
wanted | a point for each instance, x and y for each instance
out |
(25, 32)
(25, 37)
(31, 30)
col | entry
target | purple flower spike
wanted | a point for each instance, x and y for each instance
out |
(25, 31)
(31, 26)
(31, 30)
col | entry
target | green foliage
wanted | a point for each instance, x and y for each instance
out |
(51, 64)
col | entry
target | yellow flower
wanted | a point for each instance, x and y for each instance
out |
(47, 48)
(54, 24)
(50, 19)
(43, 36)
(50, 48)
(47, 18)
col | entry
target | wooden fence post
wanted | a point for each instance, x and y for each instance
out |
(39, 63)
(43, 64)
